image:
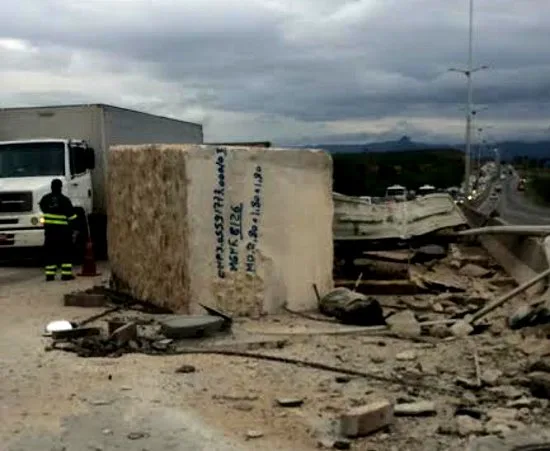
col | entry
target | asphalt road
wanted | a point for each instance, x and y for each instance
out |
(515, 208)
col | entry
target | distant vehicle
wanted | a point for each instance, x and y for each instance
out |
(521, 185)
(426, 189)
(498, 188)
(397, 193)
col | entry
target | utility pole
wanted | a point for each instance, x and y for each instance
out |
(469, 113)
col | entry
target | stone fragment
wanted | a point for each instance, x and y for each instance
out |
(290, 402)
(472, 270)
(253, 434)
(461, 329)
(124, 334)
(364, 420)
(420, 408)
(404, 324)
(490, 376)
(467, 425)
(406, 355)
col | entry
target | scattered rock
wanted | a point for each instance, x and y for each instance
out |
(377, 359)
(252, 434)
(404, 324)
(137, 435)
(506, 391)
(467, 425)
(490, 376)
(237, 397)
(107, 432)
(124, 334)
(542, 364)
(472, 270)
(406, 355)
(438, 308)
(523, 402)
(290, 402)
(100, 402)
(342, 379)
(351, 307)
(461, 329)
(185, 369)
(539, 384)
(244, 407)
(420, 408)
(439, 331)
(364, 420)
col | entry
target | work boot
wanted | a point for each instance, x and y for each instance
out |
(50, 278)
(67, 277)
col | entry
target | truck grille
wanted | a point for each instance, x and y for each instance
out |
(15, 202)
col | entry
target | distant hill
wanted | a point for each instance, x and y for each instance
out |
(508, 149)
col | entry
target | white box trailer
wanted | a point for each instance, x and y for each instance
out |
(38, 144)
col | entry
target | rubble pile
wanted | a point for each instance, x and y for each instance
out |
(389, 371)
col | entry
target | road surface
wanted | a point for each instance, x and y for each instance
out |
(515, 208)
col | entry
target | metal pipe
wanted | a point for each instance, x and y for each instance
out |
(497, 303)
(527, 230)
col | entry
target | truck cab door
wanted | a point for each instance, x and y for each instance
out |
(79, 187)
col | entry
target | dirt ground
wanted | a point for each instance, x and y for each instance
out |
(54, 400)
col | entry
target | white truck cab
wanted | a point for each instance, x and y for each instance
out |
(27, 168)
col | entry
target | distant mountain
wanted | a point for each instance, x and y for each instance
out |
(508, 149)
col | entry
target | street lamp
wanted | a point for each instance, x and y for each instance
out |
(469, 72)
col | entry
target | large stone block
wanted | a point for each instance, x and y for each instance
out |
(243, 229)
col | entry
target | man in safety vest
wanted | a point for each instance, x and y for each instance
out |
(59, 215)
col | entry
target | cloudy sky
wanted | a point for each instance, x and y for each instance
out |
(291, 71)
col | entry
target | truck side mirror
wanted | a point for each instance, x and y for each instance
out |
(90, 158)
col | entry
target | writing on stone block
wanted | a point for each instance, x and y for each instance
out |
(218, 203)
(235, 235)
(255, 215)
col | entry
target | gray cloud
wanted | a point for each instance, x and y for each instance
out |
(315, 68)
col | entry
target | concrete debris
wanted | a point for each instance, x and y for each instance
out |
(366, 419)
(415, 409)
(491, 376)
(467, 426)
(351, 307)
(461, 329)
(471, 270)
(404, 324)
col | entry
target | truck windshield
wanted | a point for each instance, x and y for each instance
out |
(32, 159)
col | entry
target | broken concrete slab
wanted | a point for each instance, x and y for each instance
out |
(191, 326)
(461, 329)
(366, 419)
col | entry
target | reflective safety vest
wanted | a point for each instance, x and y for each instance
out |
(51, 219)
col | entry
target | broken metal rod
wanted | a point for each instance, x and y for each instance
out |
(315, 365)
(498, 302)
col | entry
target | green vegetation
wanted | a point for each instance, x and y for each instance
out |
(370, 173)
(538, 187)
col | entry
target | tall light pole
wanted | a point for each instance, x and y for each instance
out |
(468, 72)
